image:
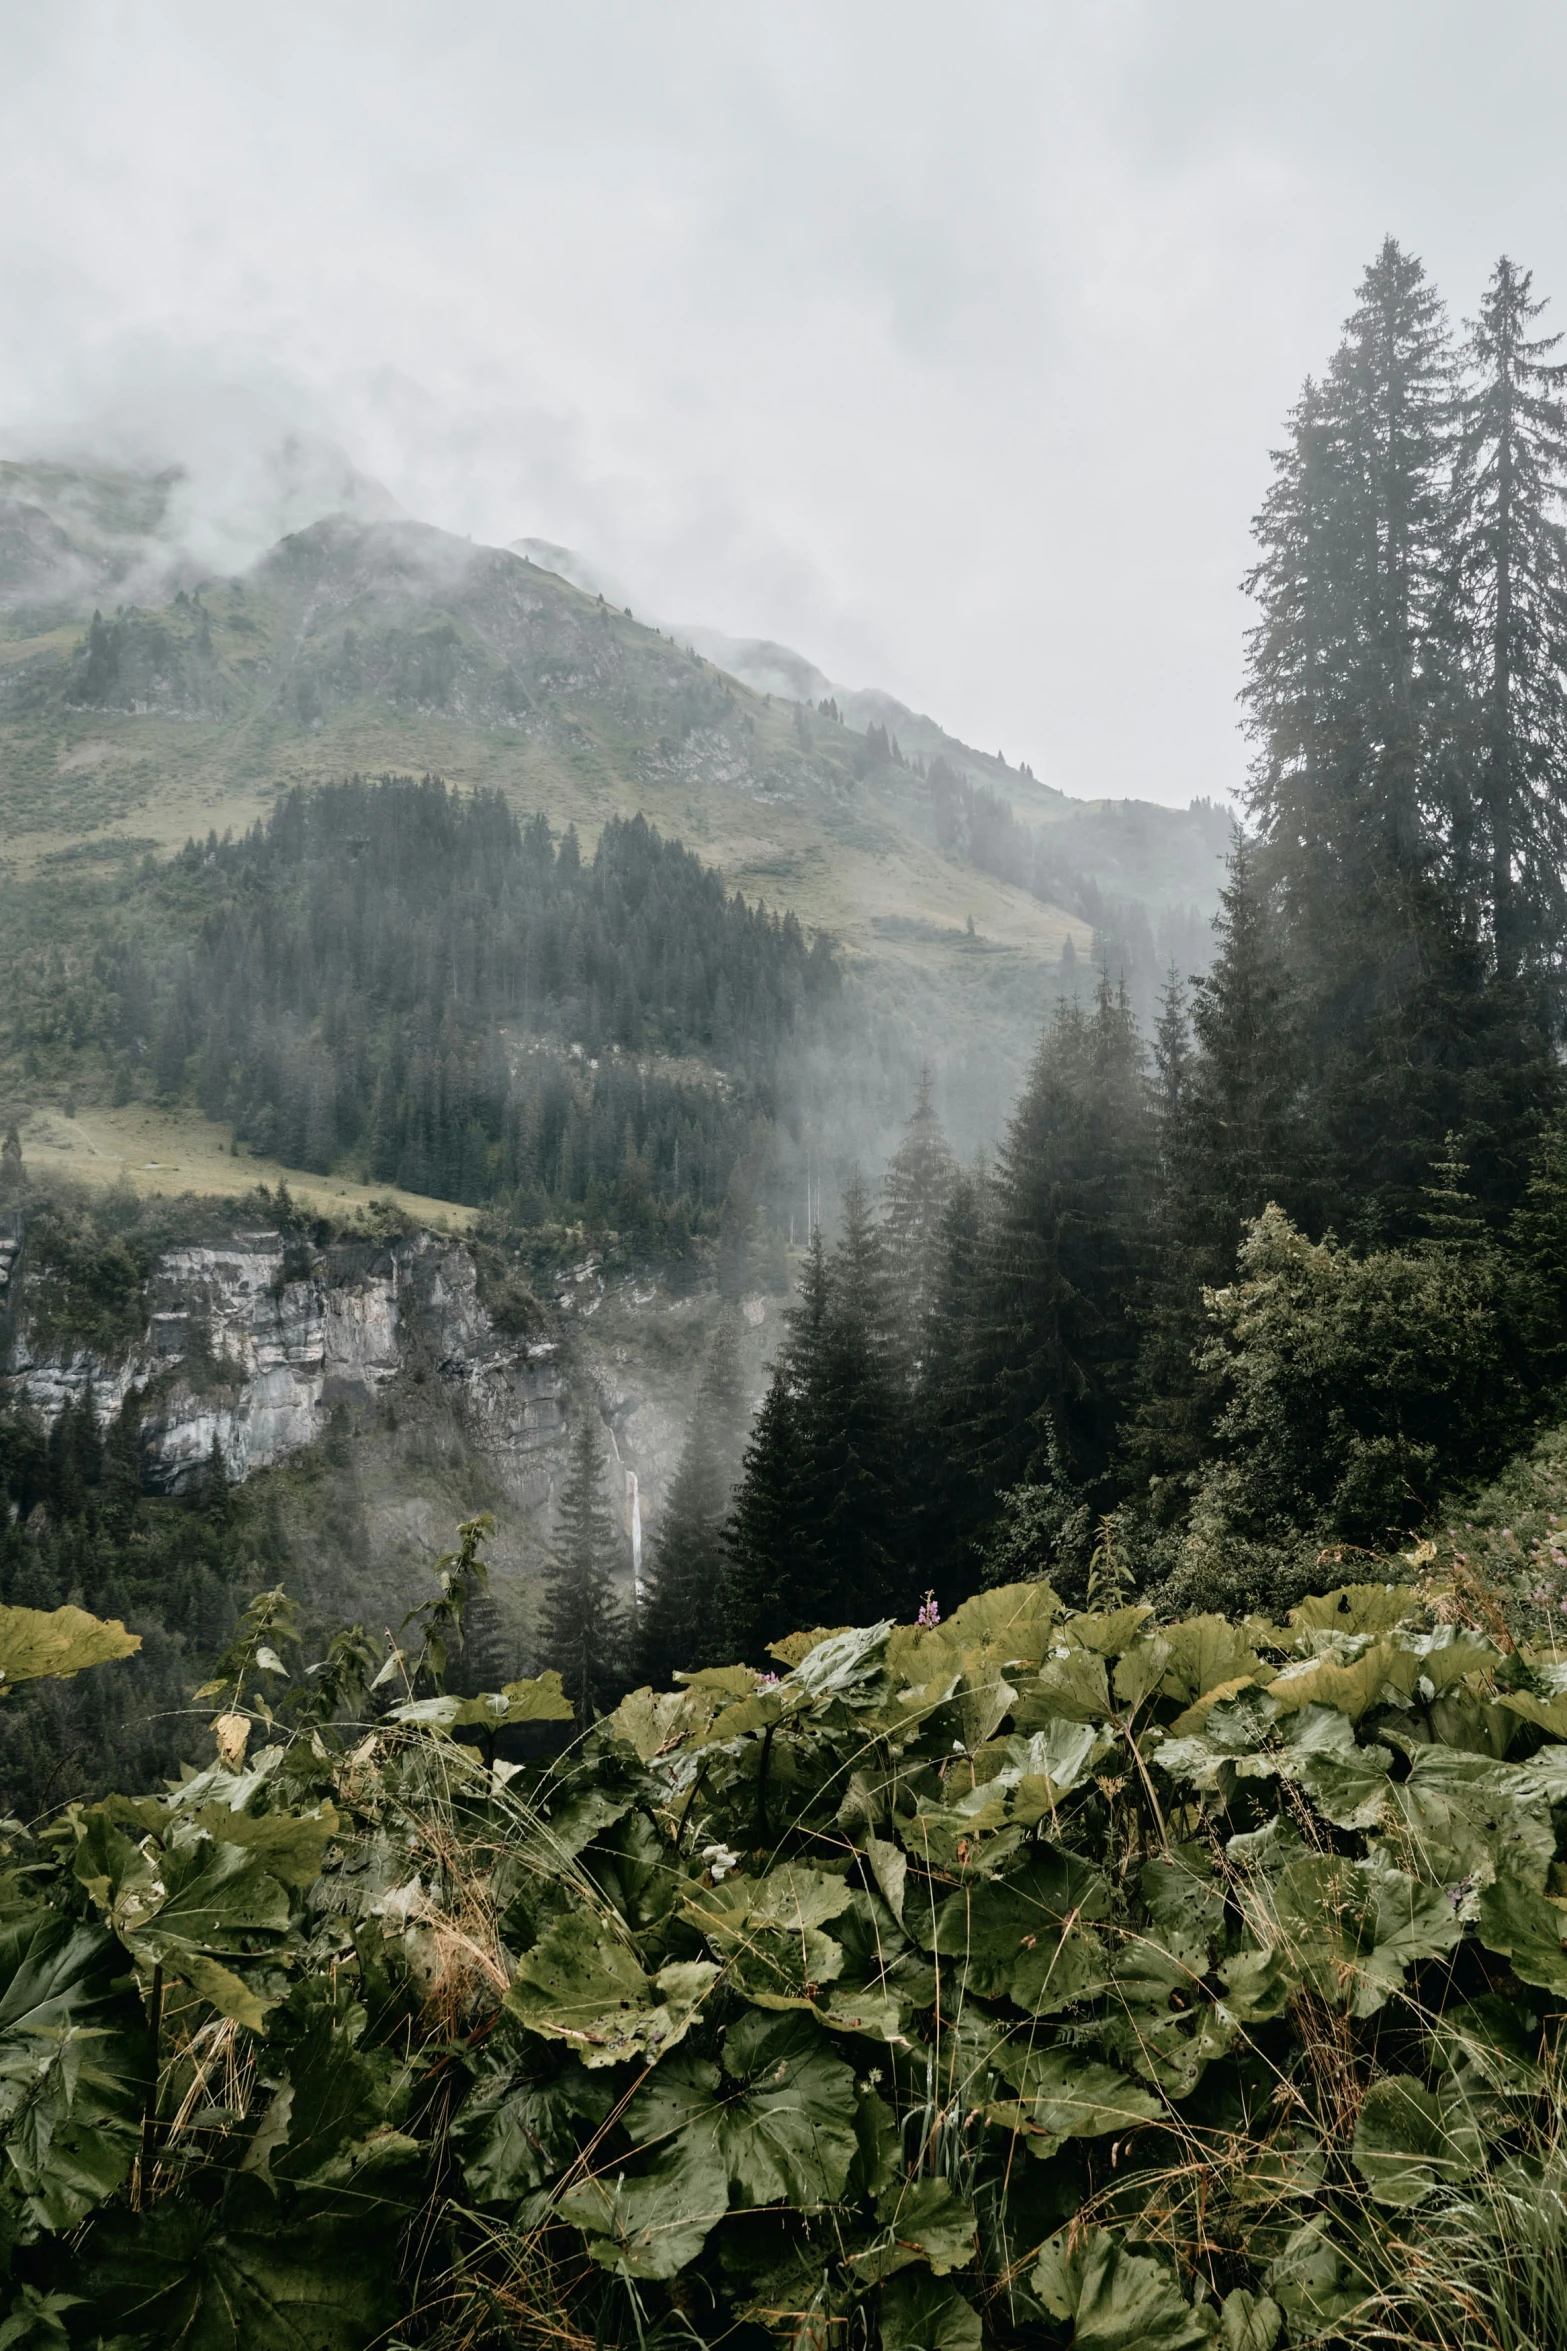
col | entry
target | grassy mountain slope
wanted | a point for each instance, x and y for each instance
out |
(392, 645)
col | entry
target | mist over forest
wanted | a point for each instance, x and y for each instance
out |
(783, 1506)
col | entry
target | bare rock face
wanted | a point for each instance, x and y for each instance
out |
(250, 1344)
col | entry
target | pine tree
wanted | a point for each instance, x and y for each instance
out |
(917, 1190)
(1054, 1343)
(1508, 594)
(1233, 1136)
(767, 1560)
(678, 1626)
(1172, 1048)
(582, 1616)
(851, 1385)
(1354, 702)
(947, 1501)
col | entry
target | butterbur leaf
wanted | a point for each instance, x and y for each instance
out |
(582, 1985)
(1357, 1608)
(234, 2275)
(1026, 1936)
(1407, 2143)
(653, 1722)
(1314, 2280)
(1492, 2039)
(1352, 1688)
(1249, 2322)
(1203, 1652)
(1522, 1926)
(1117, 2301)
(927, 2221)
(1068, 2097)
(890, 1869)
(35, 1642)
(1462, 1816)
(651, 2226)
(782, 2116)
(539, 1700)
(513, 2138)
(290, 1846)
(75, 2065)
(922, 2313)
(1139, 1670)
(1075, 1687)
(1180, 1892)
(1257, 1984)
(1109, 1632)
(218, 1899)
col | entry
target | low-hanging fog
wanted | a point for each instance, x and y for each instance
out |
(944, 349)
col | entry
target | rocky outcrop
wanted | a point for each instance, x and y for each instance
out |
(249, 1345)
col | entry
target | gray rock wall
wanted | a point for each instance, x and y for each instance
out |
(243, 1348)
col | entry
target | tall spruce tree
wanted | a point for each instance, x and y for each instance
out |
(583, 1622)
(916, 1192)
(679, 1625)
(1054, 1343)
(947, 1499)
(769, 1584)
(1233, 1136)
(851, 1395)
(1354, 700)
(1508, 604)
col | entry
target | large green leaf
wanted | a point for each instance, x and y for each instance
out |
(582, 1985)
(1521, 1925)
(1063, 2095)
(769, 1931)
(925, 2220)
(1492, 2041)
(1075, 1687)
(75, 2065)
(1467, 1817)
(786, 2132)
(1315, 2281)
(1027, 1936)
(540, 1700)
(654, 2224)
(238, 2275)
(514, 2137)
(921, 2313)
(61, 1641)
(1117, 2301)
(1203, 1652)
(1357, 1608)
(1408, 2143)
(1162, 2022)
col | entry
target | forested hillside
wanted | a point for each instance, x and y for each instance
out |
(1278, 1277)
(456, 1002)
(1060, 1841)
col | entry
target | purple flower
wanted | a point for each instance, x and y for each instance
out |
(930, 1614)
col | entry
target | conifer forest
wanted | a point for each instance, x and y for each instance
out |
(1024, 1812)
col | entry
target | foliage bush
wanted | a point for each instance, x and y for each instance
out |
(1036, 1975)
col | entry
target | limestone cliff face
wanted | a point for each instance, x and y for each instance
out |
(251, 1344)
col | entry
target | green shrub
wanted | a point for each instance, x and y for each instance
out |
(1038, 1971)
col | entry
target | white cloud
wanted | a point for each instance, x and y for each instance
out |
(945, 345)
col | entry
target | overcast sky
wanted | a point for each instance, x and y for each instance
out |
(944, 343)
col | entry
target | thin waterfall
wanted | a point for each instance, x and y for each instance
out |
(635, 1492)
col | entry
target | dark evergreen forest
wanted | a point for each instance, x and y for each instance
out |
(466, 1005)
(1277, 1280)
